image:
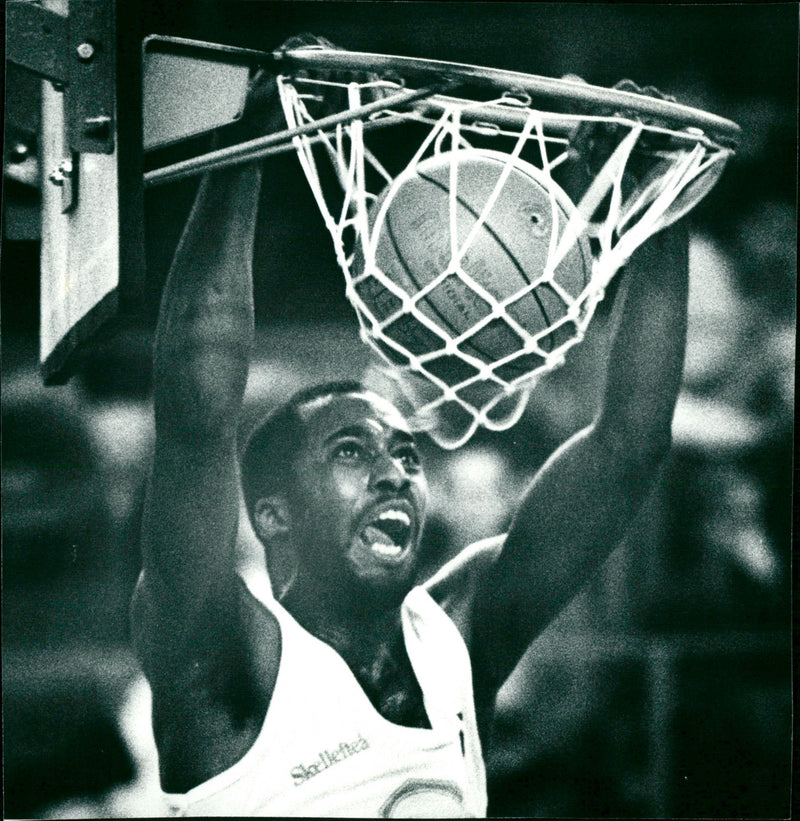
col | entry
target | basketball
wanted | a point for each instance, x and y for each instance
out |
(507, 253)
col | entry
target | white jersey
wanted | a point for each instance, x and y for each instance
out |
(325, 751)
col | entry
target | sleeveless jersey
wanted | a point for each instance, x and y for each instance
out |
(325, 751)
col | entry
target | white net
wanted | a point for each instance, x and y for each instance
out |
(471, 343)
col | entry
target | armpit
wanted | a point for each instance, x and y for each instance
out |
(455, 585)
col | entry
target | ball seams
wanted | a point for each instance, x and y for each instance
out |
(473, 349)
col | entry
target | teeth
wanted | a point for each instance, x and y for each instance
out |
(387, 544)
(387, 550)
(388, 533)
(395, 516)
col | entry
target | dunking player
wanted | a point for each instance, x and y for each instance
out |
(344, 689)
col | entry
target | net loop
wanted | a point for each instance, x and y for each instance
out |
(517, 97)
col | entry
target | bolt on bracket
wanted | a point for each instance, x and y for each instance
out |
(77, 54)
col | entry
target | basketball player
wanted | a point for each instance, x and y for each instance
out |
(344, 689)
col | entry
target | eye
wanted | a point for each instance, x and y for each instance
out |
(348, 451)
(409, 456)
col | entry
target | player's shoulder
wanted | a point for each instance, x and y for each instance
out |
(473, 558)
(232, 622)
(455, 585)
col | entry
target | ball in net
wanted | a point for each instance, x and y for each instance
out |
(484, 292)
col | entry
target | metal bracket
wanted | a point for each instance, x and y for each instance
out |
(92, 77)
(66, 178)
(77, 54)
(36, 39)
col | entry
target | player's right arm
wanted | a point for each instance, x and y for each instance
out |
(201, 358)
(188, 603)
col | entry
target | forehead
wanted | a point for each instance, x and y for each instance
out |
(326, 416)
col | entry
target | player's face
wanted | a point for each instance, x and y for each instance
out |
(361, 493)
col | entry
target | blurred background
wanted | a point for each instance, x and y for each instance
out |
(664, 689)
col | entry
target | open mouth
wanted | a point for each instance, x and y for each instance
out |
(388, 534)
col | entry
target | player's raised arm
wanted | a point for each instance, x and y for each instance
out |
(582, 500)
(202, 350)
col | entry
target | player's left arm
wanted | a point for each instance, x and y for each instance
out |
(581, 502)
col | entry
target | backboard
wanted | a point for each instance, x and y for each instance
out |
(92, 254)
(80, 262)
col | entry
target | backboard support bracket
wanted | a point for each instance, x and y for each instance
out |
(92, 266)
(77, 54)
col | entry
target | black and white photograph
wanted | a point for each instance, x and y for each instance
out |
(398, 409)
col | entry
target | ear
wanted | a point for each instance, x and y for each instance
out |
(271, 518)
(272, 523)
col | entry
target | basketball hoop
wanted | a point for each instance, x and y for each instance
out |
(528, 126)
(467, 304)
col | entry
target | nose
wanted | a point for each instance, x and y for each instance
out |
(388, 473)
